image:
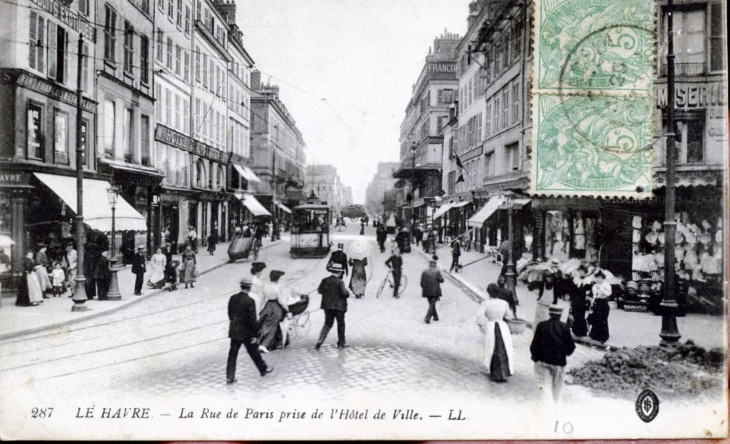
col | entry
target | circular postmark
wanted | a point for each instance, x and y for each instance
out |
(647, 406)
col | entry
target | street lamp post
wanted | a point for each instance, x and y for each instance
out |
(510, 274)
(79, 296)
(113, 294)
(670, 333)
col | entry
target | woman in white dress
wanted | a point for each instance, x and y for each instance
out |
(498, 355)
(157, 268)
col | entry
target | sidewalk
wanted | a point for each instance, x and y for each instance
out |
(56, 312)
(629, 329)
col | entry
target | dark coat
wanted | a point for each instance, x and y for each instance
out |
(242, 314)
(101, 270)
(456, 247)
(395, 262)
(381, 234)
(138, 263)
(552, 342)
(339, 257)
(334, 294)
(431, 280)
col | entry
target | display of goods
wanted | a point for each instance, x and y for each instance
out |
(671, 372)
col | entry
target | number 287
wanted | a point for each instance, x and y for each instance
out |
(41, 413)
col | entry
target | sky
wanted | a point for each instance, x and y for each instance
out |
(345, 69)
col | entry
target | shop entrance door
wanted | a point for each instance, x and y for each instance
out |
(616, 246)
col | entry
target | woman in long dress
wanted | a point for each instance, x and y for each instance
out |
(359, 278)
(189, 262)
(41, 269)
(275, 309)
(498, 356)
(578, 303)
(29, 288)
(157, 268)
(599, 310)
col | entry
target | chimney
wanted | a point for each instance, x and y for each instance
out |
(255, 80)
(227, 9)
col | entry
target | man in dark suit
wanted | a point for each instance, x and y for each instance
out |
(339, 257)
(138, 268)
(550, 347)
(334, 303)
(431, 280)
(455, 254)
(243, 330)
(381, 235)
(395, 263)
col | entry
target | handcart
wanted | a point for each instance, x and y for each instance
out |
(239, 248)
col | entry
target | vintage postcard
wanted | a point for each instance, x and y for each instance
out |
(320, 220)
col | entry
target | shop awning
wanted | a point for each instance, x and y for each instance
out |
(462, 203)
(246, 173)
(283, 207)
(97, 210)
(254, 206)
(442, 210)
(487, 210)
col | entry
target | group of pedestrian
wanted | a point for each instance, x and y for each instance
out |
(259, 316)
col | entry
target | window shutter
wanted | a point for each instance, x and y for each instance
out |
(52, 56)
(32, 40)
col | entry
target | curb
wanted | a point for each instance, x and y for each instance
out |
(111, 310)
(478, 296)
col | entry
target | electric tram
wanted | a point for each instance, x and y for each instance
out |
(310, 232)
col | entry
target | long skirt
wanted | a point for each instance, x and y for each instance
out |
(43, 280)
(35, 294)
(579, 325)
(599, 321)
(189, 273)
(23, 299)
(270, 335)
(157, 277)
(359, 278)
(498, 351)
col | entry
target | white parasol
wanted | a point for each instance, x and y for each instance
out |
(359, 249)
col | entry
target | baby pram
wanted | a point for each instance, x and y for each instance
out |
(299, 324)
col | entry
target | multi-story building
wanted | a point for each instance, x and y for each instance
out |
(324, 182)
(382, 184)
(173, 136)
(421, 143)
(277, 148)
(346, 196)
(124, 85)
(39, 54)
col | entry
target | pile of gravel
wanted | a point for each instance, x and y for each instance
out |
(684, 371)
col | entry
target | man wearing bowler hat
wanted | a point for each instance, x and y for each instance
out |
(334, 303)
(551, 345)
(138, 268)
(339, 257)
(431, 281)
(243, 330)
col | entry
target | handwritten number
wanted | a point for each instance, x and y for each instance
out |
(567, 427)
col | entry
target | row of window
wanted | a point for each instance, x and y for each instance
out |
(175, 13)
(503, 109)
(36, 135)
(129, 133)
(693, 34)
(110, 46)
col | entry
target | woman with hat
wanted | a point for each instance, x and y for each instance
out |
(358, 262)
(578, 292)
(599, 309)
(157, 265)
(498, 340)
(275, 309)
(41, 268)
(257, 286)
(189, 263)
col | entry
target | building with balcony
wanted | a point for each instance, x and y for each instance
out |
(421, 142)
(277, 149)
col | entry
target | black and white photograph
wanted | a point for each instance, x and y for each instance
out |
(363, 219)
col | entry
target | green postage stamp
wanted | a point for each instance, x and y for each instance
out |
(593, 98)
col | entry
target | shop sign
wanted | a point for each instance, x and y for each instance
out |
(14, 179)
(217, 155)
(42, 86)
(66, 16)
(693, 96)
(173, 138)
(237, 158)
(207, 151)
(472, 154)
(441, 68)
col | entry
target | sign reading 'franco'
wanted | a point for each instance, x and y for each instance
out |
(592, 98)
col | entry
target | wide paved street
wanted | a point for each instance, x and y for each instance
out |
(176, 343)
(169, 351)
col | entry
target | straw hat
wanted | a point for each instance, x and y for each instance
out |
(555, 310)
